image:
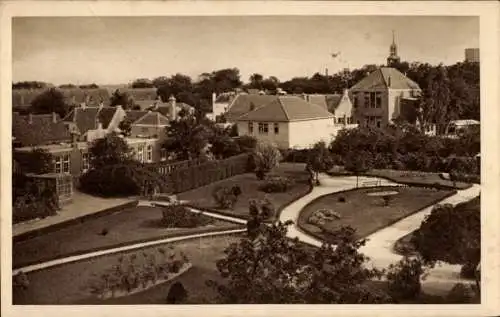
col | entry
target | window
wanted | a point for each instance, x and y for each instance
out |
(378, 102)
(62, 164)
(367, 99)
(163, 155)
(140, 153)
(263, 128)
(372, 100)
(340, 121)
(149, 153)
(276, 128)
(378, 123)
(355, 99)
(85, 162)
(250, 127)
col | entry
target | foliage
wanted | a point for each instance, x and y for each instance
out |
(119, 179)
(122, 99)
(177, 294)
(125, 127)
(262, 209)
(37, 161)
(404, 278)
(322, 216)
(110, 150)
(273, 269)
(51, 100)
(177, 216)
(187, 138)
(276, 184)
(320, 159)
(224, 146)
(30, 85)
(226, 197)
(461, 294)
(450, 234)
(246, 143)
(357, 163)
(266, 156)
(135, 272)
(142, 83)
(89, 86)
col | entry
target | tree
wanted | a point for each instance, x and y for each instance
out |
(223, 146)
(30, 85)
(89, 86)
(187, 138)
(123, 99)
(66, 86)
(178, 85)
(125, 127)
(266, 156)
(256, 81)
(404, 278)
(357, 163)
(142, 83)
(320, 160)
(38, 161)
(273, 269)
(451, 234)
(51, 100)
(111, 149)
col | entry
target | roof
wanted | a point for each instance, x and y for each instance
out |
(286, 109)
(164, 108)
(152, 118)
(41, 130)
(23, 97)
(245, 103)
(384, 78)
(84, 118)
(465, 122)
(137, 94)
(145, 104)
(134, 115)
(105, 116)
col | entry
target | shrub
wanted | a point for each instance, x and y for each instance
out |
(177, 216)
(276, 184)
(261, 208)
(404, 279)
(226, 197)
(266, 156)
(322, 216)
(177, 294)
(460, 294)
(119, 180)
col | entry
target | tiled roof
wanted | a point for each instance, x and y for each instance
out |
(145, 104)
(137, 94)
(84, 118)
(285, 109)
(152, 118)
(164, 108)
(105, 116)
(134, 115)
(22, 97)
(386, 77)
(41, 130)
(245, 103)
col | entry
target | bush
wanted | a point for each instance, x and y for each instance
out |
(124, 179)
(276, 184)
(261, 208)
(460, 294)
(404, 279)
(177, 294)
(322, 216)
(177, 216)
(226, 197)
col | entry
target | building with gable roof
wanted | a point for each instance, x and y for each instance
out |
(379, 97)
(289, 122)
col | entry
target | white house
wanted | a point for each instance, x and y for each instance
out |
(289, 122)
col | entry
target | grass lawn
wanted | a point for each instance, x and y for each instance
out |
(403, 245)
(67, 284)
(124, 227)
(368, 214)
(410, 177)
(249, 184)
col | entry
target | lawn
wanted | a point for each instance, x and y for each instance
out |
(67, 284)
(249, 184)
(124, 227)
(406, 177)
(368, 214)
(403, 245)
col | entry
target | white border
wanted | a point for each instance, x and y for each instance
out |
(488, 11)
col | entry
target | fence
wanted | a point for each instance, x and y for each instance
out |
(184, 176)
(165, 168)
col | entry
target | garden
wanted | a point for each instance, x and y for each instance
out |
(130, 225)
(364, 210)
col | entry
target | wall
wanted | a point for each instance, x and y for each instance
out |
(361, 112)
(394, 102)
(304, 134)
(282, 139)
(146, 131)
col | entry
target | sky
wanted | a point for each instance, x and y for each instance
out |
(117, 50)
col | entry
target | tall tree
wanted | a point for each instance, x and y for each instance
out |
(51, 100)
(109, 150)
(187, 138)
(123, 99)
(320, 159)
(256, 81)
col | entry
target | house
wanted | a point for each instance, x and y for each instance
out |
(243, 103)
(289, 122)
(172, 109)
(339, 105)
(377, 98)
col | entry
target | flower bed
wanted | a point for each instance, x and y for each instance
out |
(136, 274)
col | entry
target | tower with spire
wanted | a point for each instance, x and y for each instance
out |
(393, 53)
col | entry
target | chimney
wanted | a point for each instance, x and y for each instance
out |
(30, 118)
(54, 117)
(214, 97)
(173, 108)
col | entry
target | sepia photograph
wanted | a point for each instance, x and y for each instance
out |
(245, 159)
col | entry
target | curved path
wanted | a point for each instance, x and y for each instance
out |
(378, 248)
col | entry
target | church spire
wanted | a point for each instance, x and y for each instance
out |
(393, 52)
